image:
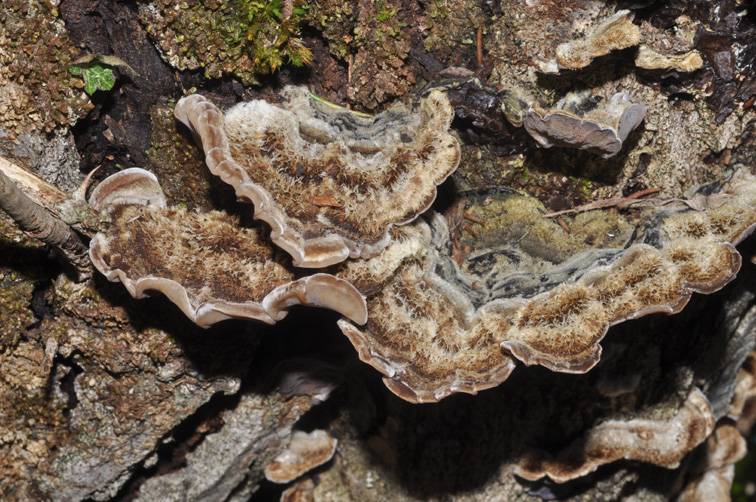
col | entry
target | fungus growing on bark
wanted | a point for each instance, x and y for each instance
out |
(580, 121)
(330, 183)
(301, 491)
(305, 452)
(649, 59)
(715, 465)
(308, 377)
(615, 33)
(528, 290)
(659, 442)
(204, 263)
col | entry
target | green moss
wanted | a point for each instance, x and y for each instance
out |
(39, 93)
(19, 275)
(384, 12)
(375, 37)
(246, 38)
(517, 217)
(180, 166)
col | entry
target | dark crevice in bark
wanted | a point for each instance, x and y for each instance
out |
(172, 450)
(40, 303)
(67, 381)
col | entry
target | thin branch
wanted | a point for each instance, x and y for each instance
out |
(39, 223)
(612, 202)
(71, 209)
(479, 46)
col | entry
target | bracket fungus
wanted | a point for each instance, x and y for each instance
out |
(330, 183)
(649, 59)
(204, 263)
(440, 321)
(438, 326)
(578, 121)
(715, 465)
(305, 452)
(614, 33)
(659, 442)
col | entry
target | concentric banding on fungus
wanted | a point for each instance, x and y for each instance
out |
(328, 182)
(445, 322)
(660, 442)
(206, 264)
(602, 130)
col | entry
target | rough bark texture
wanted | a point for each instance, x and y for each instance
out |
(103, 397)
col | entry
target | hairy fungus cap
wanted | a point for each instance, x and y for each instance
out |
(329, 182)
(615, 33)
(302, 491)
(659, 442)
(649, 59)
(204, 263)
(418, 333)
(600, 129)
(526, 289)
(133, 186)
(305, 452)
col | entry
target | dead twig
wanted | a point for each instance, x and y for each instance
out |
(470, 230)
(479, 44)
(41, 224)
(472, 217)
(71, 209)
(698, 202)
(599, 204)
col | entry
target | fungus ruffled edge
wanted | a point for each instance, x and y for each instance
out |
(137, 187)
(429, 341)
(306, 451)
(326, 245)
(601, 131)
(659, 442)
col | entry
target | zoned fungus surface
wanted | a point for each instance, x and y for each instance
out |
(449, 321)
(330, 183)
(305, 452)
(659, 442)
(205, 263)
(578, 121)
(615, 33)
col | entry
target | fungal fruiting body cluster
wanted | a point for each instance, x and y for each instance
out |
(329, 183)
(203, 262)
(345, 192)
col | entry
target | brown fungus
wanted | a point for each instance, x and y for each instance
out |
(659, 442)
(614, 33)
(600, 130)
(330, 183)
(715, 465)
(308, 377)
(648, 59)
(526, 289)
(203, 262)
(305, 452)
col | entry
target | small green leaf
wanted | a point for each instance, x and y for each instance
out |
(96, 77)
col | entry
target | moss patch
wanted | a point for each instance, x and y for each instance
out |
(246, 38)
(38, 91)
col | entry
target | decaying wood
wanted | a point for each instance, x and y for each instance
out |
(41, 224)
